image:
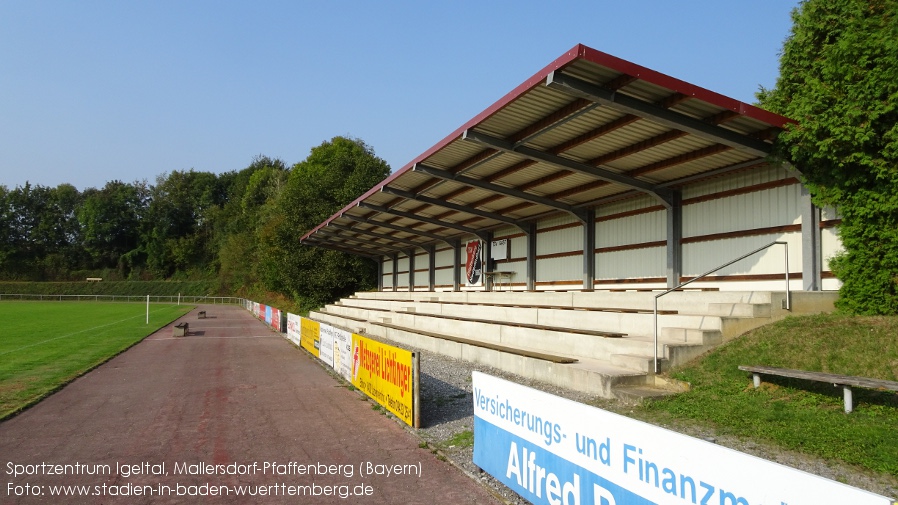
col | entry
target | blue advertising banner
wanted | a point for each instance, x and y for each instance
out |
(554, 451)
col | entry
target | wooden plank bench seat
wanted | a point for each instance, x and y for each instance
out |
(533, 306)
(554, 358)
(595, 333)
(846, 381)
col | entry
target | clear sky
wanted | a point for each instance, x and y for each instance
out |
(93, 91)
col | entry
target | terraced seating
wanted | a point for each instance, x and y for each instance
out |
(596, 342)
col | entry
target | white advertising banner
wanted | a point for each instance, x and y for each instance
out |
(551, 450)
(326, 345)
(343, 353)
(294, 328)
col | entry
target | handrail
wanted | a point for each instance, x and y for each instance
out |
(709, 272)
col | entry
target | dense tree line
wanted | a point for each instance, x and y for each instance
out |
(839, 80)
(241, 227)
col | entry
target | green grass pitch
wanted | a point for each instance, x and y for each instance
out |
(45, 345)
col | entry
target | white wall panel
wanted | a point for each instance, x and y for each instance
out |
(703, 256)
(402, 265)
(568, 268)
(636, 229)
(758, 209)
(729, 182)
(560, 241)
(388, 267)
(634, 263)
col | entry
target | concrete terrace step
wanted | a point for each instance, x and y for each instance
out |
(610, 334)
(592, 376)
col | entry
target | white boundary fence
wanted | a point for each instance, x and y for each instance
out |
(221, 300)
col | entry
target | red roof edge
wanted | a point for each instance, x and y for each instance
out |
(578, 52)
(563, 60)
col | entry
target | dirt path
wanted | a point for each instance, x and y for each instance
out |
(174, 415)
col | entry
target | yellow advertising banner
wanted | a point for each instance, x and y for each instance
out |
(384, 373)
(310, 335)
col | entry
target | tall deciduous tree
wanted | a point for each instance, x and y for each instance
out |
(334, 174)
(839, 80)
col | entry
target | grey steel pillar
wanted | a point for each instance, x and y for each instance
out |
(432, 268)
(456, 261)
(675, 240)
(411, 269)
(811, 256)
(589, 250)
(395, 258)
(531, 256)
(380, 273)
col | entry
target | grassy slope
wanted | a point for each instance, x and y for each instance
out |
(799, 415)
(45, 345)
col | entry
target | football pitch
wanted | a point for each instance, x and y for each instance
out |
(45, 345)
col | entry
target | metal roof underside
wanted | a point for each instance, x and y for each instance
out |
(587, 129)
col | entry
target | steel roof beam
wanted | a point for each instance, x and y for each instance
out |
(576, 166)
(358, 231)
(346, 250)
(658, 114)
(391, 226)
(454, 206)
(360, 243)
(495, 188)
(417, 217)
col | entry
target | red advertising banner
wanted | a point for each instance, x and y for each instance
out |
(474, 263)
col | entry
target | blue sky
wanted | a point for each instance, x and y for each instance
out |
(93, 91)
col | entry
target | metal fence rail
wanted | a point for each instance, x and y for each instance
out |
(218, 300)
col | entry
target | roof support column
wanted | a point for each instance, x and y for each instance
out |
(589, 250)
(411, 270)
(675, 240)
(456, 262)
(531, 256)
(811, 258)
(395, 258)
(380, 273)
(432, 267)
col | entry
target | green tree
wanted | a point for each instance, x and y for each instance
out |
(334, 174)
(110, 219)
(839, 81)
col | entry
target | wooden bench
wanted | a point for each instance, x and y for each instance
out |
(549, 306)
(554, 358)
(594, 333)
(846, 381)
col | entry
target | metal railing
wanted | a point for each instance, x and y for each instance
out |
(221, 300)
(709, 272)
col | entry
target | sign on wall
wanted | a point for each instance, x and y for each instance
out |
(499, 249)
(385, 373)
(343, 353)
(310, 336)
(474, 263)
(326, 344)
(294, 328)
(551, 450)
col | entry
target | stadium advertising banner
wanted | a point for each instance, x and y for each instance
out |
(309, 338)
(276, 319)
(294, 325)
(551, 450)
(343, 353)
(326, 344)
(385, 374)
(268, 315)
(474, 263)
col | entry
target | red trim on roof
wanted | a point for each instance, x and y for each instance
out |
(578, 52)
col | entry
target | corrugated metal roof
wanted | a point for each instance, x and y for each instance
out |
(587, 128)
